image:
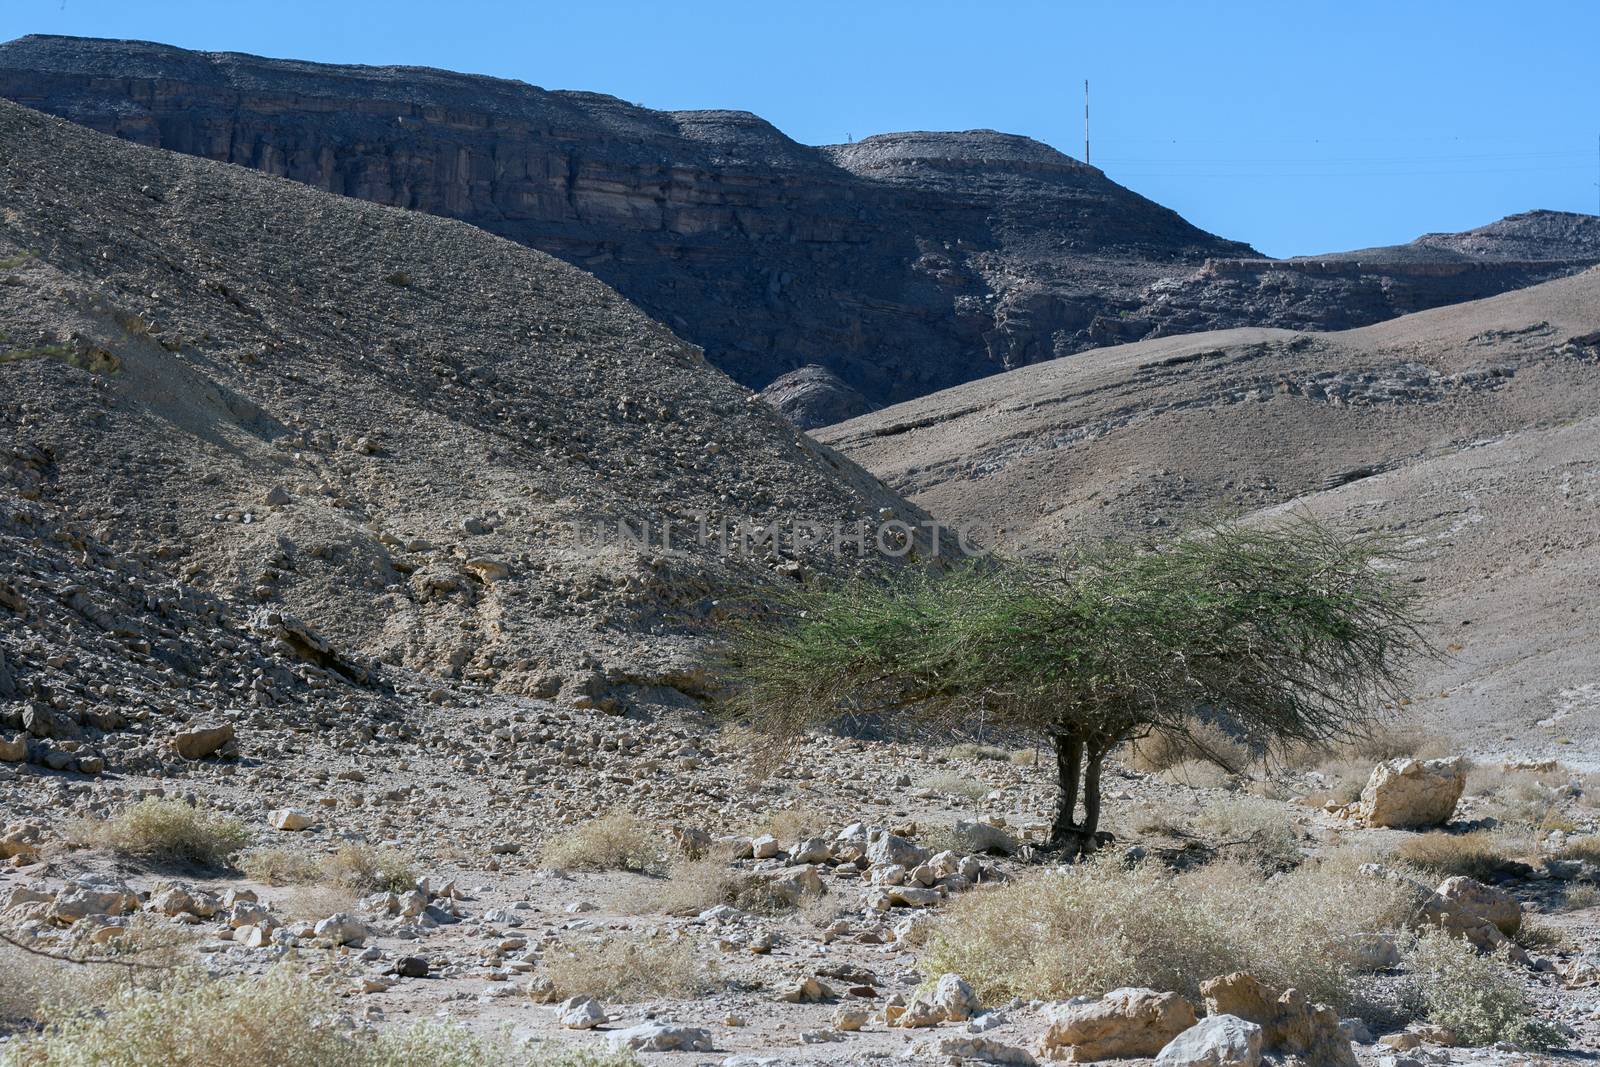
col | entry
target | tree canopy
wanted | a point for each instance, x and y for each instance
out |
(1285, 633)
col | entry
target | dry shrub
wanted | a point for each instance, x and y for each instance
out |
(280, 866)
(165, 831)
(974, 751)
(630, 970)
(614, 842)
(1585, 848)
(790, 825)
(1529, 799)
(1477, 855)
(697, 884)
(360, 868)
(1098, 926)
(279, 1020)
(1342, 781)
(1253, 830)
(1479, 998)
(1580, 898)
(956, 785)
(1197, 774)
(1205, 742)
(314, 902)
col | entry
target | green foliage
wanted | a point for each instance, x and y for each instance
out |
(1481, 998)
(1288, 633)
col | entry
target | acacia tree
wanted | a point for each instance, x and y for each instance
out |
(1288, 633)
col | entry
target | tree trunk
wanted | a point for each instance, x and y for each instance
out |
(1069, 770)
(1078, 765)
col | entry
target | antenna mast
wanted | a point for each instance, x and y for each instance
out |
(1086, 120)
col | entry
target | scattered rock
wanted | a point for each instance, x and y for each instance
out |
(661, 1037)
(1289, 1022)
(198, 742)
(1123, 1023)
(288, 819)
(580, 1013)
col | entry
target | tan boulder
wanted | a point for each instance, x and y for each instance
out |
(1121, 1024)
(199, 742)
(1290, 1023)
(1465, 900)
(1412, 794)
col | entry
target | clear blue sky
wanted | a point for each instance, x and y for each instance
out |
(1300, 126)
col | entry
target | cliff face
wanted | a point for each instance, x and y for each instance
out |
(902, 263)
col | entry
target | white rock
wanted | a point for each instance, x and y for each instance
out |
(661, 1037)
(288, 819)
(343, 929)
(580, 1013)
(1215, 1041)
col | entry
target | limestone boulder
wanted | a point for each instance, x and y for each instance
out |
(198, 742)
(1460, 902)
(1215, 1041)
(661, 1037)
(1290, 1023)
(1412, 794)
(1121, 1024)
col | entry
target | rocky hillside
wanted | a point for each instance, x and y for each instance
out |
(1471, 429)
(903, 263)
(369, 437)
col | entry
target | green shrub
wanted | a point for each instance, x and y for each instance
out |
(1481, 998)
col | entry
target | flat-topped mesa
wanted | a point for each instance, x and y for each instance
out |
(891, 155)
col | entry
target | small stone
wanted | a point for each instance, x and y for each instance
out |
(288, 819)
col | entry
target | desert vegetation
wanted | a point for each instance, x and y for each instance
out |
(1289, 634)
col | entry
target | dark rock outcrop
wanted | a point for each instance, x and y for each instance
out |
(903, 263)
(814, 396)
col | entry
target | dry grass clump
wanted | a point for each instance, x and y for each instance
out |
(1585, 848)
(278, 1020)
(614, 842)
(165, 831)
(355, 868)
(789, 825)
(959, 786)
(1477, 855)
(630, 970)
(1529, 799)
(1252, 830)
(972, 751)
(697, 884)
(1204, 742)
(360, 868)
(280, 866)
(1479, 998)
(1098, 926)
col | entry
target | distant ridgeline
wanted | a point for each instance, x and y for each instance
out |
(901, 263)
